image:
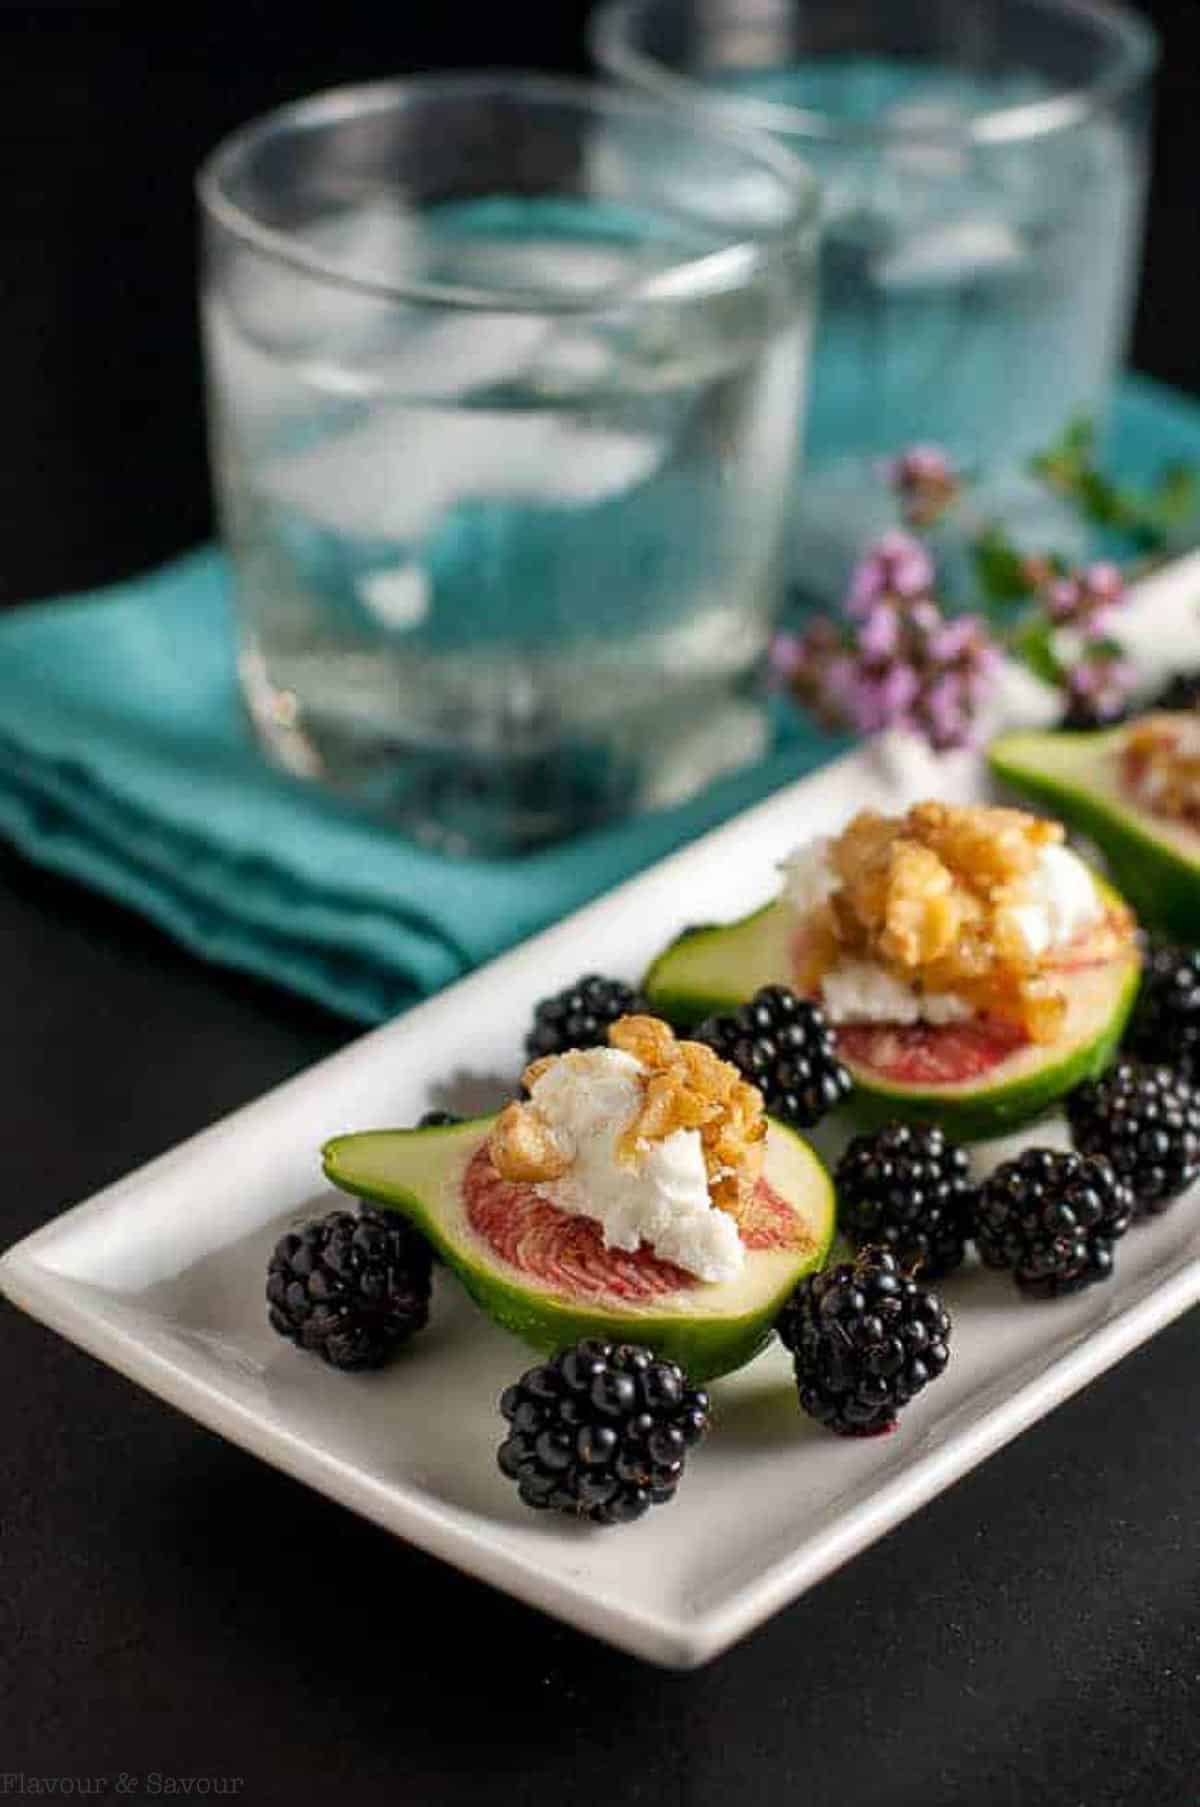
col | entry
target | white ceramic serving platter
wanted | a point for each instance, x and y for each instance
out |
(161, 1276)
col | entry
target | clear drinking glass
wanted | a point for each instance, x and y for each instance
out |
(983, 165)
(504, 376)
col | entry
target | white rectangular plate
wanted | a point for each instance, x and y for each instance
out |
(161, 1276)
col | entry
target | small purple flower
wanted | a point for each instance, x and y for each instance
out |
(925, 617)
(925, 481)
(898, 691)
(875, 701)
(785, 658)
(1097, 689)
(879, 635)
(1103, 592)
(1105, 582)
(948, 711)
(953, 639)
(1061, 600)
(1085, 600)
(840, 686)
(897, 568)
(902, 664)
(922, 464)
(979, 680)
(1107, 677)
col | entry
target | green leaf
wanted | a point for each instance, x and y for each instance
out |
(999, 568)
(1176, 495)
(1033, 645)
(1145, 517)
(1063, 460)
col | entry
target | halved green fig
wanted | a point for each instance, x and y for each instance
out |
(547, 1276)
(976, 1079)
(982, 1079)
(1155, 861)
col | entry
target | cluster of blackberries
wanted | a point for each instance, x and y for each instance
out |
(602, 1430)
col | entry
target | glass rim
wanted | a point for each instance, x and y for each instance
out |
(730, 266)
(1133, 40)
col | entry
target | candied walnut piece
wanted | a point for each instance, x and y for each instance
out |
(1033, 1002)
(535, 1069)
(1160, 762)
(667, 1106)
(983, 846)
(816, 946)
(1042, 1005)
(689, 1087)
(923, 911)
(934, 897)
(863, 844)
(522, 1146)
(647, 1038)
(712, 1076)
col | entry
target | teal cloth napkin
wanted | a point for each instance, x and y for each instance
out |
(125, 762)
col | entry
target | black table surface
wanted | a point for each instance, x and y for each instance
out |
(170, 1609)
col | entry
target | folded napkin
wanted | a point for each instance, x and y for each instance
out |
(125, 762)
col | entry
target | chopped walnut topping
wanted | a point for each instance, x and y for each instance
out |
(690, 1087)
(647, 1038)
(933, 897)
(684, 1085)
(1160, 761)
(985, 846)
(522, 1146)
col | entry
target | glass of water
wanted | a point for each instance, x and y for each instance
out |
(983, 165)
(504, 376)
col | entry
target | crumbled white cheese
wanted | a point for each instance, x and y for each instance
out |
(860, 991)
(808, 877)
(1061, 901)
(587, 1099)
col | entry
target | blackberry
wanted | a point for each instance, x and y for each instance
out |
(1053, 1219)
(600, 1430)
(1180, 692)
(580, 1016)
(908, 1189)
(351, 1289)
(1146, 1121)
(865, 1339)
(783, 1045)
(1165, 1025)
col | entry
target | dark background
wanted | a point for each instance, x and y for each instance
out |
(167, 1603)
(106, 113)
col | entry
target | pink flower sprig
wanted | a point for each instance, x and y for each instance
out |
(1098, 688)
(897, 568)
(899, 662)
(925, 484)
(1086, 600)
(1095, 680)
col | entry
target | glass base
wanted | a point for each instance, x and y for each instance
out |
(466, 801)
